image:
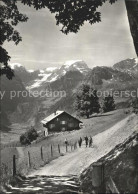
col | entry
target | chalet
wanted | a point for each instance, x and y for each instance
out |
(60, 121)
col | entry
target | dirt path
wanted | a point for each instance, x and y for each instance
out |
(74, 163)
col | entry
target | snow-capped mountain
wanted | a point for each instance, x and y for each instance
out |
(128, 65)
(52, 74)
(43, 76)
(79, 65)
(15, 65)
(72, 65)
(26, 76)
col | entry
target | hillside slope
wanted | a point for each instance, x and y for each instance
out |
(74, 163)
(15, 107)
(121, 164)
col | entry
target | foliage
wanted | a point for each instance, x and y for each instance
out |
(10, 17)
(87, 101)
(72, 14)
(69, 13)
(29, 136)
(109, 104)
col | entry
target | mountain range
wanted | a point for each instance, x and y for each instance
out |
(121, 76)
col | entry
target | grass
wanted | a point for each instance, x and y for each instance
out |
(92, 126)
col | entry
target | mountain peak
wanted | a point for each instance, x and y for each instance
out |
(127, 65)
(51, 69)
(15, 65)
(71, 62)
(30, 70)
(75, 65)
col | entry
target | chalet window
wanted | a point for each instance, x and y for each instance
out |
(71, 124)
(63, 122)
(51, 126)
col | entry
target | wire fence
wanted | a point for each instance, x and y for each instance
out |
(21, 160)
(18, 144)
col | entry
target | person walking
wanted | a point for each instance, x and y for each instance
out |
(80, 142)
(66, 144)
(86, 141)
(66, 141)
(90, 141)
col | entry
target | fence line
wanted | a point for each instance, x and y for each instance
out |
(34, 157)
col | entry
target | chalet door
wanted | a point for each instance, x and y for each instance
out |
(63, 128)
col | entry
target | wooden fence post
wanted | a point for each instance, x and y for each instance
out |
(98, 177)
(51, 151)
(74, 146)
(59, 148)
(41, 153)
(14, 165)
(66, 147)
(29, 160)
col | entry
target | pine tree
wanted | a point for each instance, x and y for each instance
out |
(109, 104)
(86, 102)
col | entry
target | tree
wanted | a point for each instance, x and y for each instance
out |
(24, 139)
(132, 11)
(10, 17)
(109, 104)
(70, 13)
(28, 136)
(32, 134)
(86, 102)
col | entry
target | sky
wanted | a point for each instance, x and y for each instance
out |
(44, 45)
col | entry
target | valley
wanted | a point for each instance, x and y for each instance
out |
(74, 163)
(20, 113)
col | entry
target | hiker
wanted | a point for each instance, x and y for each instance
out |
(66, 141)
(86, 141)
(90, 141)
(80, 142)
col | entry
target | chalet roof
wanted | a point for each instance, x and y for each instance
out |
(54, 115)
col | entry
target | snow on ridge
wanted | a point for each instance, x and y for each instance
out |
(45, 77)
(39, 82)
(51, 69)
(13, 65)
(30, 70)
(54, 78)
(42, 71)
(71, 62)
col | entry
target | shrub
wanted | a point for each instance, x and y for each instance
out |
(109, 104)
(32, 134)
(28, 137)
(24, 139)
